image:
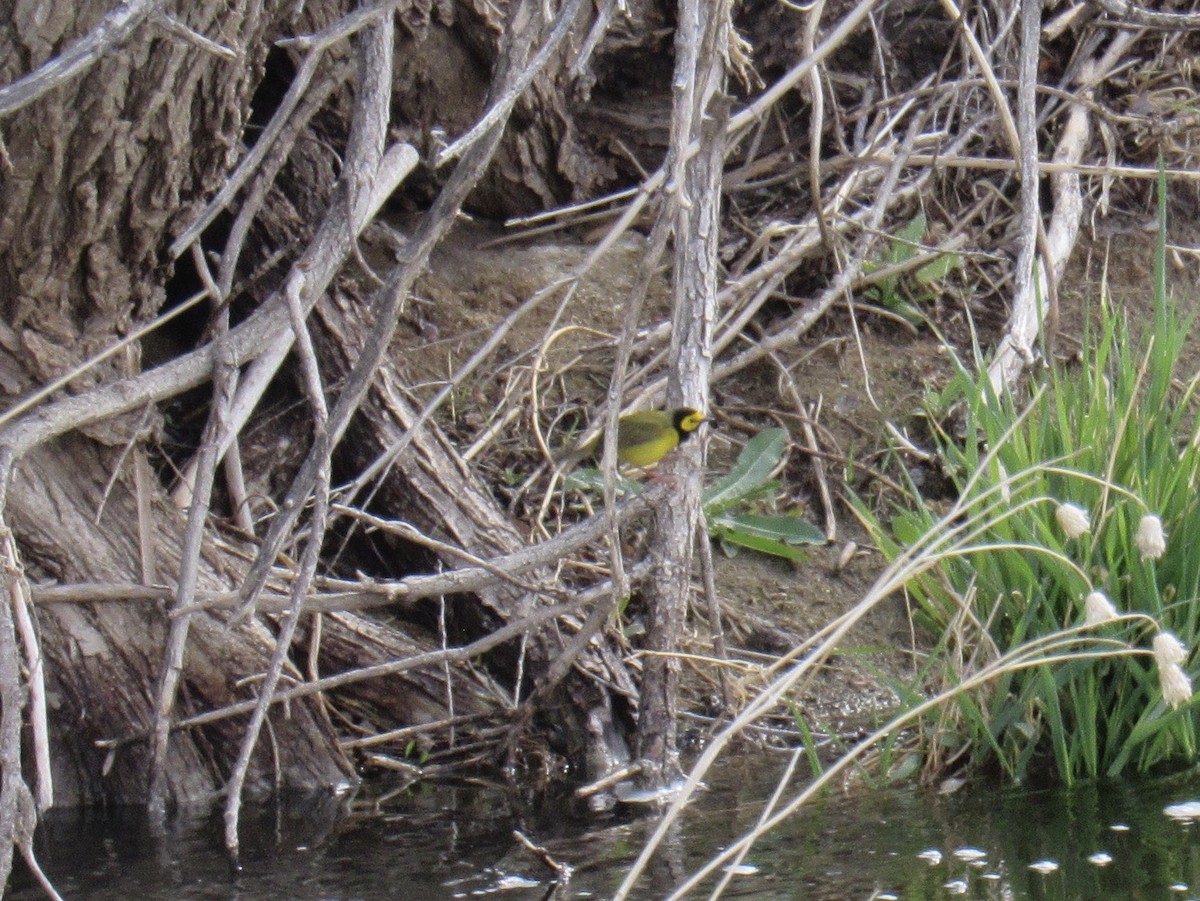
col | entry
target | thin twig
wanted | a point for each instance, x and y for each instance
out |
(249, 164)
(562, 871)
(1029, 306)
(376, 55)
(189, 569)
(173, 26)
(347, 595)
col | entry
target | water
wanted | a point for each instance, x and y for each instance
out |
(434, 842)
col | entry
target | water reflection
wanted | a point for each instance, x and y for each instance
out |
(457, 842)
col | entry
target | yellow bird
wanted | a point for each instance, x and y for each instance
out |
(645, 437)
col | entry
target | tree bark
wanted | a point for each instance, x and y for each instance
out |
(700, 117)
(102, 658)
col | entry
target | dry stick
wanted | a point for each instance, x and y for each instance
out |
(807, 418)
(376, 56)
(235, 484)
(40, 394)
(360, 595)
(359, 199)
(173, 26)
(13, 693)
(145, 487)
(713, 600)
(405, 732)
(1045, 167)
(596, 620)
(1068, 201)
(594, 36)
(784, 85)
(816, 122)
(109, 33)
(501, 108)
(1153, 18)
(772, 803)
(410, 533)
(562, 871)
(608, 780)
(343, 28)
(35, 673)
(1029, 305)
(1012, 135)
(810, 416)
(699, 117)
(189, 568)
(447, 674)
(385, 307)
(251, 161)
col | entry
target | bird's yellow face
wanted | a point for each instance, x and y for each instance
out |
(687, 420)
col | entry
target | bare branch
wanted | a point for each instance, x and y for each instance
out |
(1152, 18)
(110, 33)
(1030, 303)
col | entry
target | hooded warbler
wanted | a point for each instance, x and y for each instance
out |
(645, 437)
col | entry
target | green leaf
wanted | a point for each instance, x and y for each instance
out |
(763, 546)
(902, 248)
(591, 479)
(752, 470)
(938, 268)
(786, 527)
(774, 535)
